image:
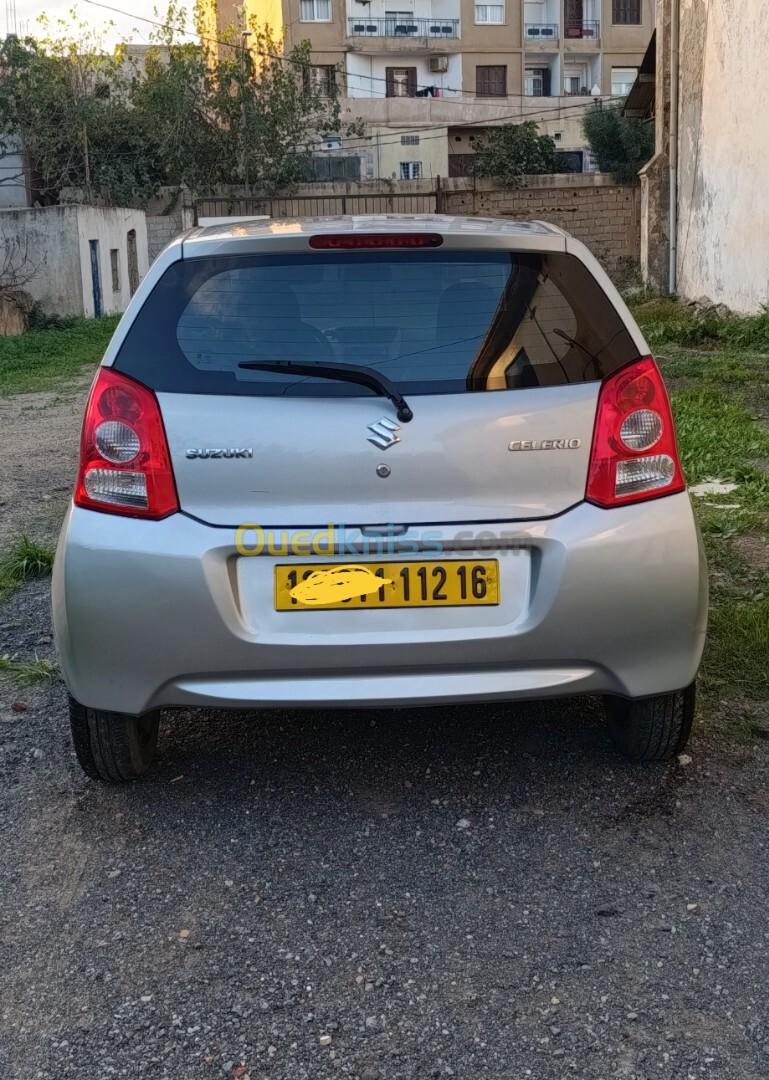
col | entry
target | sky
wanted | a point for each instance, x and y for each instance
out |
(127, 28)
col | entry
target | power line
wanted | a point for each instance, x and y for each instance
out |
(440, 128)
(290, 60)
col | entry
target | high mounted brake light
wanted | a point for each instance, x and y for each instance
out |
(341, 241)
(125, 466)
(634, 454)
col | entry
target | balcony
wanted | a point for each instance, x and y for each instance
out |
(582, 29)
(404, 28)
(542, 33)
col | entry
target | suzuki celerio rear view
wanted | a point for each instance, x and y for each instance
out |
(382, 461)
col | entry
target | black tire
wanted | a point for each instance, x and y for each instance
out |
(653, 728)
(113, 747)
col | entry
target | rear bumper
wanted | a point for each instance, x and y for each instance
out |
(151, 614)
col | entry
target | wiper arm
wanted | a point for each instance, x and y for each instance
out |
(577, 344)
(364, 376)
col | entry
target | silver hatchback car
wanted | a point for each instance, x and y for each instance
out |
(376, 461)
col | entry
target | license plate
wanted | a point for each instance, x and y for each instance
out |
(450, 583)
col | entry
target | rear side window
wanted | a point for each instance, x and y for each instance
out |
(433, 322)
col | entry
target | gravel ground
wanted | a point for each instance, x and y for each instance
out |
(468, 892)
(38, 458)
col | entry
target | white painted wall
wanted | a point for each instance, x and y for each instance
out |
(110, 228)
(56, 240)
(723, 191)
(420, 9)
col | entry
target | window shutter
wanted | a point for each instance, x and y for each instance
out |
(412, 81)
(491, 80)
(627, 12)
(389, 82)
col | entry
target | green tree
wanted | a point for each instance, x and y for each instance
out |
(64, 98)
(88, 121)
(622, 145)
(513, 151)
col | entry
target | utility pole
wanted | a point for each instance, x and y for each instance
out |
(245, 34)
(87, 163)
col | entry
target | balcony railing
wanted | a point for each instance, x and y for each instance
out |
(402, 27)
(542, 32)
(586, 28)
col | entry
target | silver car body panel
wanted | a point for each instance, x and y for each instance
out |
(167, 613)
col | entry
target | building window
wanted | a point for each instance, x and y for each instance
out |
(401, 81)
(409, 140)
(536, 82)
(114, 256)
(320, 79)
(489, 14)
(411, 170)
(491, 80)
(621, 81)
(626, 12)
(315, 10)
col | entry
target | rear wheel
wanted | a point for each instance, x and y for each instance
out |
(113, 747)
(653, 728)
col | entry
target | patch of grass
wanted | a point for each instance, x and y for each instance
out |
(37, 359)
(24, 561)
(720, 438)
(27, 672)
(665, 320)
(716, 392)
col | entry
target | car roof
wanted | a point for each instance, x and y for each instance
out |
(355, 223)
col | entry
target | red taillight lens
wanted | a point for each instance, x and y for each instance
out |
(340, 241)
(634, 454)
(125, 466)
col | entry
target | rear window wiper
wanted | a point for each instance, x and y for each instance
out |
(364, 376)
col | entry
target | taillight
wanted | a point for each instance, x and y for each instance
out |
(125, 466)
(634, 454)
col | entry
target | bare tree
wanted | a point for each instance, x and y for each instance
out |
(17, 267)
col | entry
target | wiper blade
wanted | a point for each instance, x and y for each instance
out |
(364, 376)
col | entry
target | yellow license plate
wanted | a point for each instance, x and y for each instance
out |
(324, 586)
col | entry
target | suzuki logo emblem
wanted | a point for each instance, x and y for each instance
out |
(384, 433)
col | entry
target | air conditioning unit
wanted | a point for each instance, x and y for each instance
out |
(439, 63)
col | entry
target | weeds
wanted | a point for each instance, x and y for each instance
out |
(24, 561)
(665, 320)
(28, 672)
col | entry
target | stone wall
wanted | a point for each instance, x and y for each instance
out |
(591, 206)
(162, 228)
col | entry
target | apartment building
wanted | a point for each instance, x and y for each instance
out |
(444, 69)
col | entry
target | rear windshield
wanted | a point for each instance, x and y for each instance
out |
(433, 322)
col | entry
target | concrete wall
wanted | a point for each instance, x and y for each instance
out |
(50, 237)
(109, 227)
(723, 206)
(57, 240)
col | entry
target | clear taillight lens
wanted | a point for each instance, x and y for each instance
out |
(644, 474)
(117, 442)
(634, 454)
(117, 488)
(641, 429)
(125, 465)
